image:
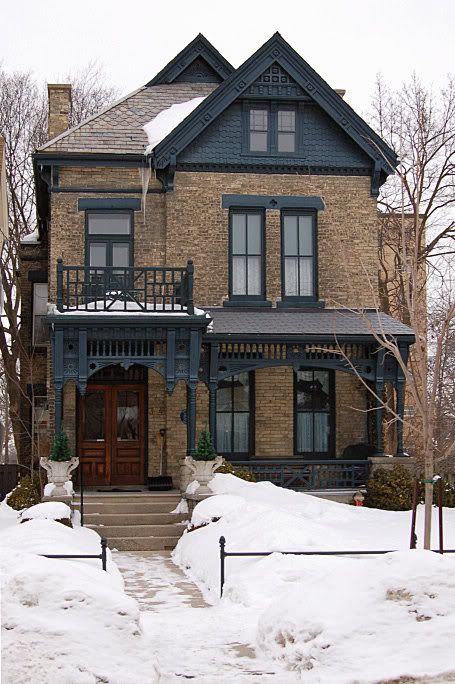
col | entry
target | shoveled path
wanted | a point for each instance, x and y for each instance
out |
(191, 639)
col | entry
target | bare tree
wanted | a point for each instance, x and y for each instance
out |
(23, 124)
(417, 229)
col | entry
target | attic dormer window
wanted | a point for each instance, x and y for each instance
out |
(272, 129)
(259, 130)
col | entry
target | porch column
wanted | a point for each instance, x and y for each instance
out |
(58, 378)
(58, 407)
(379, 391)
(400, 412)
(213, 386)
(191, 418)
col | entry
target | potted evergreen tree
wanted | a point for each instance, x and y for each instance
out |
(203, 463)
(60, 464)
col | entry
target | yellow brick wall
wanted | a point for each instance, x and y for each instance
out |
(274, 418)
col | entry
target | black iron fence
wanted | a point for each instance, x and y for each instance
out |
(225, 554)
(146, 289)
(304, 475)
(102, 556)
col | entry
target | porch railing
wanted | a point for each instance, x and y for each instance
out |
(108, 288)
(309, 475)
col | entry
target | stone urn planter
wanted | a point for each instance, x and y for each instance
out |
(203, 472)
(59, 472)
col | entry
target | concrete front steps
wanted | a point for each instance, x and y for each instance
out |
(134, 522)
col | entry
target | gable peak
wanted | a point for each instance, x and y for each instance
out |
(198, 62)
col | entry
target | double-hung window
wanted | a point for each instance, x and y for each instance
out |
(233, 408)
(299, 267)
(109, 239)
(272, 129)
(314, 413)
(247, 254)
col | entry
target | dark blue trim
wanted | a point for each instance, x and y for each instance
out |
(276, 50)
(247, 301)
(199, 47)
(109, 203)
(273, 201)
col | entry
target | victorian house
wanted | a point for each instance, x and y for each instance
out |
(217, 268)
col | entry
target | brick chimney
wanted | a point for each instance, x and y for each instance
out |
(59, 97)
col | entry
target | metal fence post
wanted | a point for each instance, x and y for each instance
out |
(222, 557)
(415, 494)
(441, 532)
(104, 553)
(81, 485)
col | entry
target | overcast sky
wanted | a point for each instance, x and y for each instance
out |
(347, 41)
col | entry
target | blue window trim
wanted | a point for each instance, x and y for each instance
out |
(331, 453)
(248, 300)
(287, 300)
(272, 107)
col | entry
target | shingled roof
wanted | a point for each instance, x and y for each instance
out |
(328, 323)
(117, 129)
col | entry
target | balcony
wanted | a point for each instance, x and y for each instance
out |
(151, 289)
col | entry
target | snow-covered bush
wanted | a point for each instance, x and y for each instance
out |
(50, 510)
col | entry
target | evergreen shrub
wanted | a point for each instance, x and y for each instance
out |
(242, 473)
(390, 489)
(205, 450)
(60, 449)
(26, 494)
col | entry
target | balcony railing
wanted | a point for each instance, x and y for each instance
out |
(309, 475)
(113, 289)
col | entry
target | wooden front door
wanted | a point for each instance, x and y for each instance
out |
(112, 434)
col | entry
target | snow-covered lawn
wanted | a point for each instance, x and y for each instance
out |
(65, 621)
(327, 619)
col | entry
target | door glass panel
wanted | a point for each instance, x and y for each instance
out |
(98, 251)
(120, 254)
(241, 392)
(94, 416)
(127, 415)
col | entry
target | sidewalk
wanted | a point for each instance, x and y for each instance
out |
(189, 638)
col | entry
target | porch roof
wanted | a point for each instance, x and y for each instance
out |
(313, 323)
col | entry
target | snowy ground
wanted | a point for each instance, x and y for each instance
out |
(65, 621)
(283, 619)
(340, 619)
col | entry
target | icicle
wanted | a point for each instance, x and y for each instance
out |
(145, 175)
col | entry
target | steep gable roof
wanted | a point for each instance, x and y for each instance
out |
(118, 129)
(199, 61)
(277, 50)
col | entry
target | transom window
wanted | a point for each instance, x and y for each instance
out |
(234, 396)
(272, 129)
(298, 255)
(109, 239)
(246, 241)
(313, 412)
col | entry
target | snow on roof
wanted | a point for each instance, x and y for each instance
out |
(31, 238)
(163, 123)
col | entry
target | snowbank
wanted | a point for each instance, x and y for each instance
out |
(165, 122)
(50, 510)
(64, 620)
(335, 619)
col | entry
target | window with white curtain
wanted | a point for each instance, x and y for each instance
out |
(298, 254)
(234, 397)
(246, 240)
(313, 412)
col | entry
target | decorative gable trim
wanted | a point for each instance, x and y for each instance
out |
(278, 51)
(199, 48)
